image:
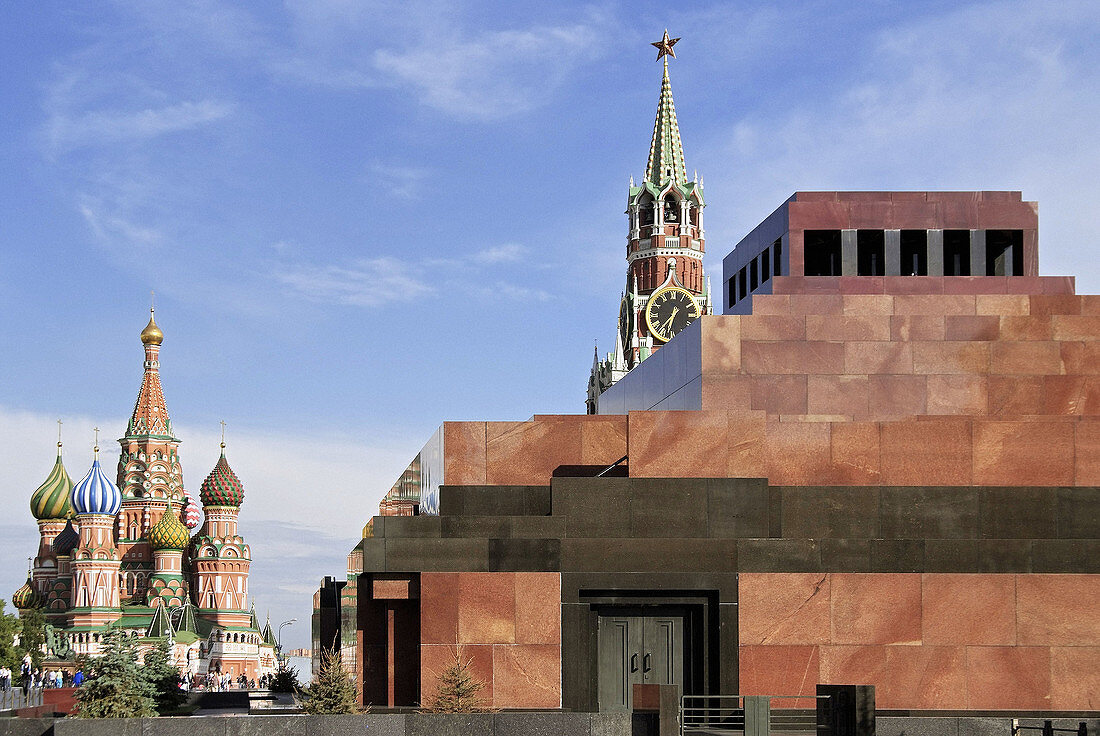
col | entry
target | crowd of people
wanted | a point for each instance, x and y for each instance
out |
(33, 678)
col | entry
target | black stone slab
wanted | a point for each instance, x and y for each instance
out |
(542, 724)
(524, 555)
(647, 555)
(1080, 556)
(697, 583)
(101, 727)
(914, 726)
(845, 555)
(374, 554)
(412, 527)
(668, 507)
(951, 555)
(738, 508)
(1018, 513)
(897, 555)
(1078, 512)
(547, 527)
(830, 512)
(593, 507)
(449, 724)
(437, 555)
(925, 512)
(778, 555)
(26, 726)
(476, 526)
(1004, 555)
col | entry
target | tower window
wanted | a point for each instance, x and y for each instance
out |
(753, 279)
(672, 209)
(731, 285)
(956, 252)
(914, 252)
(777, 256)
(871, 252)
(743, 282)
(822, 252)
(1004, 252)
(765, 266)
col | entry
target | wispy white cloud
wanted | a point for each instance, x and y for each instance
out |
(66, 131)
(364, 283)
(506, 253)
(400, 181)
(112, 228)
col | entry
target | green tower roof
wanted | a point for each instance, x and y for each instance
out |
(666, 153)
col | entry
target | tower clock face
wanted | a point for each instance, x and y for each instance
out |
(670, 310)
(624, 322)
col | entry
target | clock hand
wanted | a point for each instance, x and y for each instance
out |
(668, 322)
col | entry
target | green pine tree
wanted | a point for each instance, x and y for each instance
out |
(164, 677)
(116, 687)
(333, 691)
(33, 634)
(9, 629)
(457, 689)
(285, 679)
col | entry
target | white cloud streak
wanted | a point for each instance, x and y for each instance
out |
(65, 132)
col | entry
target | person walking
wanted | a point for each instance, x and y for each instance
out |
(78, 677)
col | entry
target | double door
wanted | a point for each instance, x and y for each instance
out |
(638, 649)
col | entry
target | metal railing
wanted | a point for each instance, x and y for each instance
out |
(752, 715)
(14, 698)
(1048, 728)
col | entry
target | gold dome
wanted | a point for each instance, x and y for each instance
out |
(151, 335)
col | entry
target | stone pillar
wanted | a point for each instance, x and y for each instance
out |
(977, 252)
(892, 246)
(934, 244)
(849, 255)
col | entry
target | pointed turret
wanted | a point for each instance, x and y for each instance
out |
(666, 153)
(150, 416)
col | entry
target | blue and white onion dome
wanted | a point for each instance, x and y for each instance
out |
(96, 494)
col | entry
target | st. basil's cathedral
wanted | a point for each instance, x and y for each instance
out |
(127, 554)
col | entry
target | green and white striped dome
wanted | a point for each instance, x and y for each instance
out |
(51, 500)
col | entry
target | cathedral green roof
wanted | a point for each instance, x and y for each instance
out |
(51, 500)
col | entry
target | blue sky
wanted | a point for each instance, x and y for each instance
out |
(364, 218)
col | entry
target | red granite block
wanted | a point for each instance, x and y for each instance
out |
(821, 285)
(603, 439)
(913, 285)
(805, 215)
(720, 344)
(434, 659)
(954, 304)
(782, 608)
(842, 327)
(779, 394)
(1075, 678)
(957, 394)
(672, 444)
(1071, 395)
(392, 590)
(1000, 196)
(870, 215)
(840, 395)
(897, 396)
(538, 608)
(1021, 284)
(932, 452)
(486, 608)
(1031, 252)
(1002, 304)
(878, 357)
(816, 196)
(528, 452)
(791, 670)
(974, 284)
(798, 452)
(1007, 215)
(1058, 610)
(1025, 328)
(923, 678)
(1023, 453)
(1008, 678)
(1012, 396)
(1059, 284)
(1090, 304)
(527, 676)
(913, 215)
(848, 665)
(855, 449)
(464, 452)
(1081, 358)
(727, 392)
(747, 451)
(777, 304)
(791, 357)
(1075, 327)
(971, 327)
(806, 304)
(958, 214)
(1025, 358)
(876, 608)
(439, 607)
(1047, 304)
(863, 305)
(1087, 456)
(914, 327)
(773, 327)
(952, 357)
(961, 609)
(787, 285)
(861, 285)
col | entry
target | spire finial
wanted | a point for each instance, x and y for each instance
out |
(58, 436)
(29, 567)
(223, 436)
(152, 301)
(95, 448)
(664, 48)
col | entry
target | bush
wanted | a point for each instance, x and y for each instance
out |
(334, 689)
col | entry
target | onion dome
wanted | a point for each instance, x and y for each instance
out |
(169, 532)
(65, 542)
(26, 597)
(222, 487)
(51, 500)
(151, 335)
(192, 514)
(96, 494)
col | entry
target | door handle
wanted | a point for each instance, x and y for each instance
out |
(645, 662)
(633, 662)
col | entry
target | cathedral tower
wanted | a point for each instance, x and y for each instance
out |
(666, 288)
(50, 506)
(95, 562)
(149, 472)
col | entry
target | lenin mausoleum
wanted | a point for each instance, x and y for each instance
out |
(873, 459)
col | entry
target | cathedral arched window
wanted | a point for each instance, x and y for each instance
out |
(672, 209)
(645, 211)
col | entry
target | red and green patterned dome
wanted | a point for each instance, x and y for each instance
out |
(26, 597)
(169, 532)
(222, 487)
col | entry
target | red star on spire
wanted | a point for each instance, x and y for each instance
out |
(664, 46)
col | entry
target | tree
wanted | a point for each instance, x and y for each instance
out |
(164, 677)
(457, 689)
(9, 628)
(334, 689)
(33, 634)
(285, 679)
(116, 687)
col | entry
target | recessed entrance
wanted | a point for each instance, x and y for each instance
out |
(638, 646)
